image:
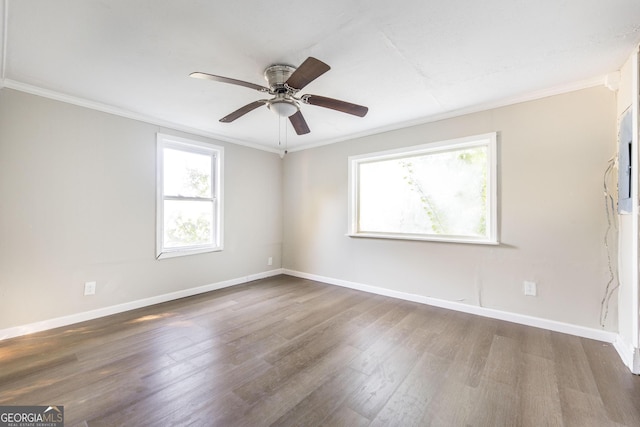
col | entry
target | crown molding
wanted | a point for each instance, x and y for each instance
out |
(105, 108)
(531, 96)
(526, 97)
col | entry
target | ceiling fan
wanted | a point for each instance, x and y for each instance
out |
(285, 82)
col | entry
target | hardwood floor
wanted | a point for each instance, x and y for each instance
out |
(290, 352)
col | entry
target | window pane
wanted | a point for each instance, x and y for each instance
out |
(442, 193)
(188, 223)
(187, 174)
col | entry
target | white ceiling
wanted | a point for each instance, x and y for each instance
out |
(409, 61)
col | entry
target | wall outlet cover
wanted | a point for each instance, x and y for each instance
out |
(90, 288)
(530, 288)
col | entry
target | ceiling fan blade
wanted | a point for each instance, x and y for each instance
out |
(242, 111)
(299, 124)
(307, 72)
(205, 76)
(336, 104)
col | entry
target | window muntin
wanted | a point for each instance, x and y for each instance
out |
(444, 191)
(189, 201)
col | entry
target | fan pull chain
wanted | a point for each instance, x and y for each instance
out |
(286, 134)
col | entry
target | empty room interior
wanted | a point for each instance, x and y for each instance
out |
(320, 213)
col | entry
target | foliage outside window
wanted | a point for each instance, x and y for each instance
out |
(444, 191)
(189, 197)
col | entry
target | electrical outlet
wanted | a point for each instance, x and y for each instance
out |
(90, 288)
(530, 289)
(270, 261)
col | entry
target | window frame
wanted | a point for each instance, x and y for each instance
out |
(488, 139)
(217, 164)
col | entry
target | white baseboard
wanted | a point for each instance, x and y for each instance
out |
(115, 309)
(552, 325)
(630, 355)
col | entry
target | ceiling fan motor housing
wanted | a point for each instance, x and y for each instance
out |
(277, 75)
(283, 104)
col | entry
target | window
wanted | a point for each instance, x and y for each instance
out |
(189, 201)
(444, 191)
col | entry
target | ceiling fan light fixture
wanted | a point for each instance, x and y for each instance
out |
(283, 107)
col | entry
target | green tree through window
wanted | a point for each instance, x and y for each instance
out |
(444, 191)
(193, 231)
(189, 202)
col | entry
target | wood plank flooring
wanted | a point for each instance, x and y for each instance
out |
(291, 352)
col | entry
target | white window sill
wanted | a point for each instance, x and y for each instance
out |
(186, 252)
(447, 239)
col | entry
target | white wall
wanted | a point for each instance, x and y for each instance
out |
(77, 203)
(553, 153)
(628, 231)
